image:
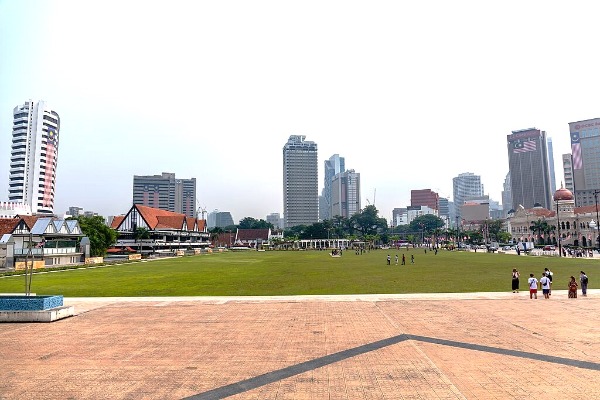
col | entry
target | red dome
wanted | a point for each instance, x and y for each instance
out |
(563, 194)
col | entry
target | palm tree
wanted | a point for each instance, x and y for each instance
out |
(540, 227)
(141, 233)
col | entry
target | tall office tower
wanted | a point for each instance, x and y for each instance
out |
(551, 165)
(219, 219)
(506, 195)
(425, 197)
(529, 169)
(345, 194)
(444, 210)
(300, 182)
(465, 185)
(34, 154)
(166, 193)
(585, 148)
(333, 166)
(568, 172)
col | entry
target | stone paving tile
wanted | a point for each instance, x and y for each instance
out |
(297, 348)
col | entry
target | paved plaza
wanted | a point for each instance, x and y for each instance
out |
(454, 346)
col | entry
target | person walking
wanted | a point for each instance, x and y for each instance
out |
(533, 286)
(583, 279)
(515, 281)
(389, 259)
(550, 276)
(396, 259)
(412, 258)
(403, 260)
(572, 288)
(545, 283)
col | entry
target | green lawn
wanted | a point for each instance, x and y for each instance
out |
(304, 272)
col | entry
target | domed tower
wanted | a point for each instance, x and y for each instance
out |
(565, 201)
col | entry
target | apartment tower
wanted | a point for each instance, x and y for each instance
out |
(166, 192)
(34, 155)
(300, 182)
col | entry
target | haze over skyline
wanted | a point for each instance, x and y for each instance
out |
(410, 94)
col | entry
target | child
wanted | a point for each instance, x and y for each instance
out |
(533, 285)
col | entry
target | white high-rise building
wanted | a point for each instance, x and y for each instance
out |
(333, 166)
(345, 194)
(34, 154)
(465, 185)
(300, 182)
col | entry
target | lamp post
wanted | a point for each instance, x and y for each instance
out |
(558, 227)
(596, 192)
(457, 234)
(593, 225)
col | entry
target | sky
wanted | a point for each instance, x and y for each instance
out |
(410, 93)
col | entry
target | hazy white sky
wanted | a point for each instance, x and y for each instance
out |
(410, 93)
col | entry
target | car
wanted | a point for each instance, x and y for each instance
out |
(549, 248)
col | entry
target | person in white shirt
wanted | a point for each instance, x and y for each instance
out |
(533, 285)
(545, 282)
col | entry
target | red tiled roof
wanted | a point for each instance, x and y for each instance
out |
(151, 216)
(201, 224)
(252, 234)
(8, 225)
(191, 223)
(30, 220)
(585, 209)
(117, 221)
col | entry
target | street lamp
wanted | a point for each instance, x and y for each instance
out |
(596, 192)
(558, 227)
(593, 225)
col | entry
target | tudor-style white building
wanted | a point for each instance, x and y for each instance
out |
(48, 241)
(167, 231)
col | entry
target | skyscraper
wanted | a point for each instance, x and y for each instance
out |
(568, 172)
(529, 168)
(585, 149)
(345, 194)
(506, 196)
(166, 193)
(551, 165)
(333, 166)
(465, 185)
(34, 155)
(300, 182)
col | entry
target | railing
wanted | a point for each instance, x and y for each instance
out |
(45, 252)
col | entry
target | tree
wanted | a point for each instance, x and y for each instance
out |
(141, 233)
(428, 223)
(540, 227)
(101, 236)
(367, 222)
(252, 223)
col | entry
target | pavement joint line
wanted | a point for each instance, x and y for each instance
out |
(287, 372)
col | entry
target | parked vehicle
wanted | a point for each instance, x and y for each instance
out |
(549, 248)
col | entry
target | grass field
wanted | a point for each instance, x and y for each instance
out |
(305, 272)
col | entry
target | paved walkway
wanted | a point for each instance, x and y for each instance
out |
(448, 346)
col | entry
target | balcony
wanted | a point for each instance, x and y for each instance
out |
(46, 252)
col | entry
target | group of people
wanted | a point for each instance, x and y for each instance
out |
(389, 259)
(545, 282)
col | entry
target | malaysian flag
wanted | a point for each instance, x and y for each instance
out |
(576, 151)
(523, 147)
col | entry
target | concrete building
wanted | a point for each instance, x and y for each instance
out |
(300, 182)
(528, 163)
(345, 194)
(424, 197)
(413, 212)
(166, 193)
(568, 172)
(10, 209)
(333, 166)
(464, 186)
(399, 216)
(276, 220)
(34, 155)
(585, 150)
(551, 164)
(506, 196)
(219, 219)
